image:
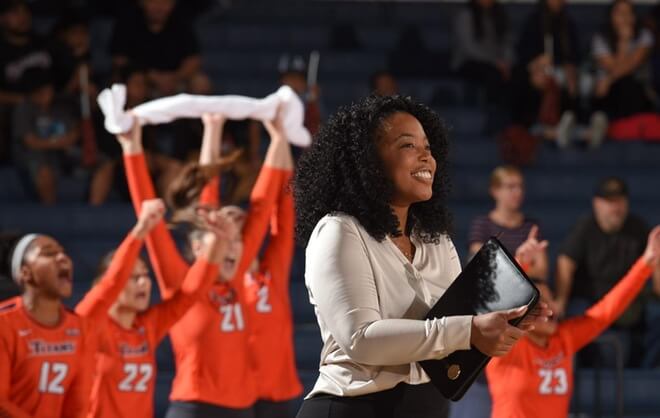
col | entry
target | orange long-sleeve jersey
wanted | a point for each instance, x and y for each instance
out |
(125, 364)
(45, 372)
(267, 300)
(210, 342)
(534, 381)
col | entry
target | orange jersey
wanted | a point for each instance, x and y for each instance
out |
(267, 298)
(534, 381)
(45, 372)
(126, 362)
(211, 341)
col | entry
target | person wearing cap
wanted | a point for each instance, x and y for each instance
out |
(598, 251)
(293, 73)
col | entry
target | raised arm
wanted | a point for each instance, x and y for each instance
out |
(264, 194)
(532, 255)
(199, 279)
(168, 264)
(279, 254)
(209, 154)
(584, 329)
(98, 300)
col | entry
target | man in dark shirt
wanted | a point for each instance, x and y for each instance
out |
(20, 51)
(158, 40)
(599, 250)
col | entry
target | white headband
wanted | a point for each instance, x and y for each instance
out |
(19, 253)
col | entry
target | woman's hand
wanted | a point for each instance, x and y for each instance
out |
(151, 212)
(221, 229)
(493, 335)
(652, 252)
(131, 141)
(275, 129)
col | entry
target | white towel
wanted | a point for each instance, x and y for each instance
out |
(292, 112)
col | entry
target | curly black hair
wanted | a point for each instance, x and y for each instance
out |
(342, 172)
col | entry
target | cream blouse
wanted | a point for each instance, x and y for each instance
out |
(370, 302)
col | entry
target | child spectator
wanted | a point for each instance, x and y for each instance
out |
(45, 134)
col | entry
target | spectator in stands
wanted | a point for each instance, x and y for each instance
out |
(483, 48)
(507, 221)
(45, 134)
(509, 224)
(20, 50)
(163, 43)
(597, 252)
(71, 51)
(545, 78)
(621, 50)
(293, 73)
(383, 83)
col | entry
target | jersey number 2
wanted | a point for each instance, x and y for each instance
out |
(51, 377)
(553, 381)
(132, 371)
(262, 304)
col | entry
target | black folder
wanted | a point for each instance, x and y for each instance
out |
(491, 281)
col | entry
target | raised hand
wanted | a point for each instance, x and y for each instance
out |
(274, 128)
(531, 248)
(131, 141)
(652, 252)
(151, 212)
(220, 231)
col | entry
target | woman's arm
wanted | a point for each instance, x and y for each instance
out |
(209, 154)
(100, 298)
(620, 63)
(168, 264)
(341, 283)
(263, 196)
(279, 254)
(199, 279)
(584, 329)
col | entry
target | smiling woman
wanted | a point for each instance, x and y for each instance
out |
(371, 197)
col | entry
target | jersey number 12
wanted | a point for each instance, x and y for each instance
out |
(51, 377)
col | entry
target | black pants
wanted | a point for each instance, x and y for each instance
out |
(205, 410)
(402, 401)
(627, 97)
(269, 409)
(488, 76)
